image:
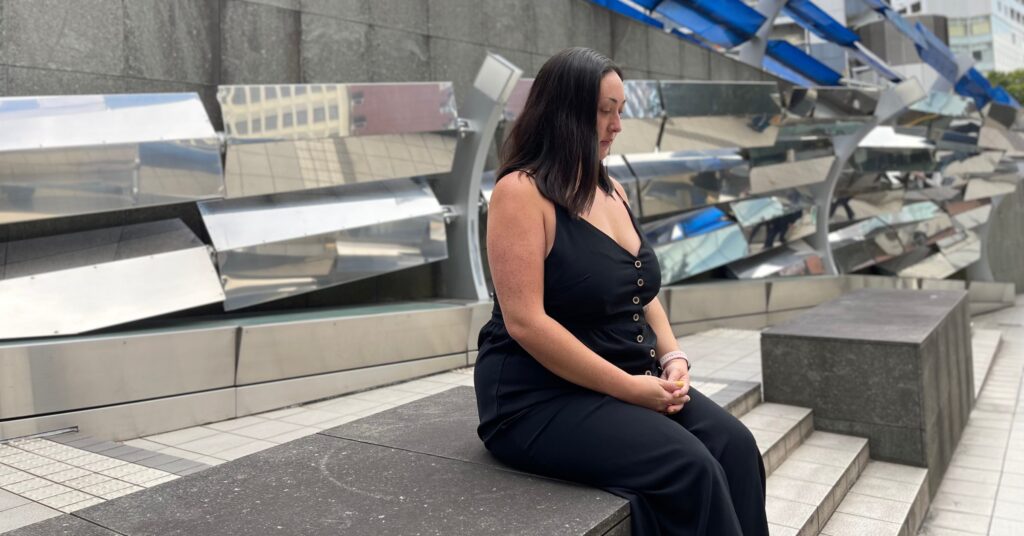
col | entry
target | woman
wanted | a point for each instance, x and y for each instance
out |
(569, 382)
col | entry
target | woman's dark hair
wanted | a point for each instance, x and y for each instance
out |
(555, 138)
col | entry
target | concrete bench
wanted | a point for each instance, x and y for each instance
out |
(415, 469)
(893, 366)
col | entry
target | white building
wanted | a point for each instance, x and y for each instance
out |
(989, 31)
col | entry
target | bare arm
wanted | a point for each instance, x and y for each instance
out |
(516, 248)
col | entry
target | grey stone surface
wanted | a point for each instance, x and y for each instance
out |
(1005, 223)
(592, 27)
(510, 24)
(37, 81)
(158, 460)
(85, 36)
(553, 19)
(260, 44)
(629, 44)
(351, 10)
(890, 365)
(400, 14)
(523, 60)
(177, 41)
(334, 50)
(460, 20)
(65, 525)
(441, 425)
(876, 315)
(325, 485)
(397, 56)
(293, 5)
(664, 55)
(722, 68)
(3, 80)
(457, 62)
(696, 62)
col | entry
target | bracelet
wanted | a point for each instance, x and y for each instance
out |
(672, 356)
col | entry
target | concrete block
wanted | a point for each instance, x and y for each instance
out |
(3, 80)
(260, 44)
(510, 25)
(293, 5)
(462, 20)
(400, 14)
(696, 62)
(350, 10)
(663, 55)
(691, 303)
(629, 45)
(591, 27)
(173, 40)
(307, 486)
(890, 365)
(397, 56)
(457, 62)
(551, 21)
(334, 50)
(85, 36)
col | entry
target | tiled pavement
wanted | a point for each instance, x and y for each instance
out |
(978, 492)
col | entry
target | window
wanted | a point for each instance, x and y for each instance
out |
(981, 26)
(254, 94)
(332, 112)
(271, 122)
(957, 27)
(286, 120)
(301, 117)
(270, 93)
(319, 115)
(976, 54)
(915, 7)
(241, 127)
(257, 125)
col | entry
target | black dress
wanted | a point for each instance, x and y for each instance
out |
(695, 472)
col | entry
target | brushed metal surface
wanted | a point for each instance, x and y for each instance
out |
(691, 303)
(130, 421)
(62, 375)
(52, 286)
(672, 182)
(804, 292)
(278, 394)
(274, 351)
(82, 154)
(479, 314)
(690, 256)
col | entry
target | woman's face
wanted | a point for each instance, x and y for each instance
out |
(610, 103)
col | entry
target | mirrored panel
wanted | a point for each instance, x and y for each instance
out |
(281, 245)
(695, 242)
(673, 182)
(79, 282)
(284, 138)
(793, 259)
(69, 155)
(716, 115)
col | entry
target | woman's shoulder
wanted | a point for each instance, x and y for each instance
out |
(518, 187)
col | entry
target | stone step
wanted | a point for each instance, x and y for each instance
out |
(887, 500)
(70, 471)
(778, 430)
(984, 345)
(806, 487)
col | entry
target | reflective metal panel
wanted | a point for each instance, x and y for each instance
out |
(789, 227)
(982, 188)
(673, 182)
(284, 138)
(773, 177)
(642, 118)
(286, 166)
(687, 256)
(286, 244)
(331, 341)
(69, 374)
(794, 258)
(51, 286)
(67, 155)
(620, 171)
(714, 115)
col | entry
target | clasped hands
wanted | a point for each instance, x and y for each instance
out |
(666, 394)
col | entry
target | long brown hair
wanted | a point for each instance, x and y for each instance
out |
(555, 138)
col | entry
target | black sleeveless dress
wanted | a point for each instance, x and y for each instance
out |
(595, 289)
(696, 472)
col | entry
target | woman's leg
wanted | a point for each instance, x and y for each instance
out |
(675, 486)
(731, 443)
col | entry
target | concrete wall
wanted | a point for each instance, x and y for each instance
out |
(1006, 240)
(113, 46)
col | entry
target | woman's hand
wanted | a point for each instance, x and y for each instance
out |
(677, 372)
(655, 393)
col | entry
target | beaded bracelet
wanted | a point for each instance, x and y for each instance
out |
(672, 356)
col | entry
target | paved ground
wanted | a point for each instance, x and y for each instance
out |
(983, 492)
